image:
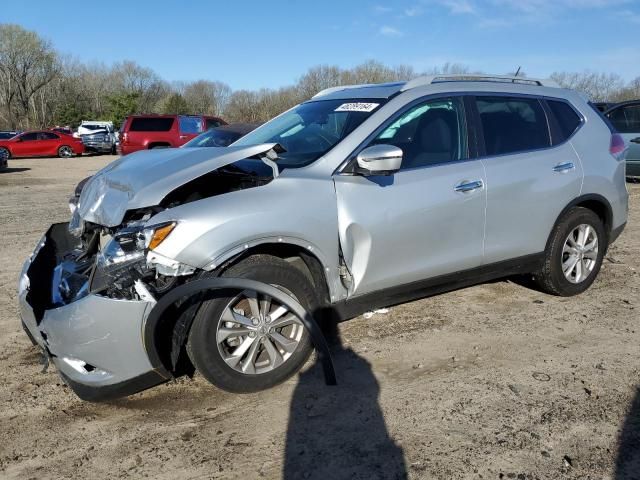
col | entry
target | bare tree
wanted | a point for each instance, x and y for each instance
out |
(599, 87)
(27, 64)
(207, 97)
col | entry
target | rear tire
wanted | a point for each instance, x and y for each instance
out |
(216, 360)
(574, 253)
(65, 151)
(4, 152)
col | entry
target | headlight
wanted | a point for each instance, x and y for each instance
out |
(156, 234)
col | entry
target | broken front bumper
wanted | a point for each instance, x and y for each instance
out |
(95, 342)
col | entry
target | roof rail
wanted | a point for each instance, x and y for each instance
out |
(466, 77)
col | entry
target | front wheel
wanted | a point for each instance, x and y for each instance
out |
(5, 153)
(248, 342)
(574, 254)
(65, 151)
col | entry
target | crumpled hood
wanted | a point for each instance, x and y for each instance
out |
(144, 178)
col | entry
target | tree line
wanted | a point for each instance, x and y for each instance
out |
(40, 87)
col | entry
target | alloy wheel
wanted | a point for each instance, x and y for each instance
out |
(580, 253)
(65, 152)
(256, 334)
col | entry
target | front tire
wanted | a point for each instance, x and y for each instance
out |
(574, 254)
(5, 153)
(247, 343)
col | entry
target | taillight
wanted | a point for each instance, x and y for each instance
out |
(124, 137)
(617, 146)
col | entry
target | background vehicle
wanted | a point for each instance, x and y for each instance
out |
(140, 132)
(5, 134)
(365, 196)
(65, 130)
(42, 143)
(221, 136)
(625, 118)
(98, 136)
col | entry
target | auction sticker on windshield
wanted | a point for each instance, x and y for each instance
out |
(357, 107)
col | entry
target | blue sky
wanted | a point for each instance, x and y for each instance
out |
(270, 43)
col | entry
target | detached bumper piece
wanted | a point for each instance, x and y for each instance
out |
(105, 347)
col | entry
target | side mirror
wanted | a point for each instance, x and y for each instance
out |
(379, 160)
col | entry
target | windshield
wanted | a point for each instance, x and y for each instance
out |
(213, 138)
(311, 129)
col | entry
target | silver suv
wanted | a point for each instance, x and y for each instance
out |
(364, 196)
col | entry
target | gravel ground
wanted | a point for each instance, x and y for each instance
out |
(493, 381)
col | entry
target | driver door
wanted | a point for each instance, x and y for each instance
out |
(423, 221)
(25, 145)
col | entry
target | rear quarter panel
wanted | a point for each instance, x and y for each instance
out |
(603, 174)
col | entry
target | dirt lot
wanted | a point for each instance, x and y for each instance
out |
(494, 381)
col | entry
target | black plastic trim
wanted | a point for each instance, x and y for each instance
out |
(117, 390)
(444, 283)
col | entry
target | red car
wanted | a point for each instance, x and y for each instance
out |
(41, 143)
(140, 132)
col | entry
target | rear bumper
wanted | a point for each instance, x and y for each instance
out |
(127, 149)
(98, 147)
(96, 342)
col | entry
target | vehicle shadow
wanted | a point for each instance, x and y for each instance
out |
(339, 432)
(14, 170)
(628, 459)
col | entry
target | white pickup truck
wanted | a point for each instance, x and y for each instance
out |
(98, 136)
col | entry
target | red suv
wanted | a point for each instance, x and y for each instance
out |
(141, 132)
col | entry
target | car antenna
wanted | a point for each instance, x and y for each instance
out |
(518, 71)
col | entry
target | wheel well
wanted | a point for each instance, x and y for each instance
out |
(599, 208)
(297, 256)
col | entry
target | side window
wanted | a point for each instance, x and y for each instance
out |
(429, 133)
(512, 124)
(568, 120)
(190, 124)
(27, 137)
(212, 123)
(47, 136)
(626, 119)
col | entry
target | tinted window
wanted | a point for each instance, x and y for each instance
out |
(512, 125)
(626, 119)
(151, 124)
(29, 136)
(47, 136)
(568, 120)
(429, 133)
(190, 124)
(211, 123)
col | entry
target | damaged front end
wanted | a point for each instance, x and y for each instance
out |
(88, 288)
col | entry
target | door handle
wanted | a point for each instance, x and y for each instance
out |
(635, 140)
(564, 167)
(466, 187)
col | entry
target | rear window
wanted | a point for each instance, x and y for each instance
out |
(151, 124)
(626, 119)
(568, 120)
(512, 124)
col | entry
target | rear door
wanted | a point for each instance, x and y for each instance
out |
(626, 120)
(48, 143)
(423, 221)
(530, 178)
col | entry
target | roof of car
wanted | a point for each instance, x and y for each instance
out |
(386, 90)
(613, 106)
